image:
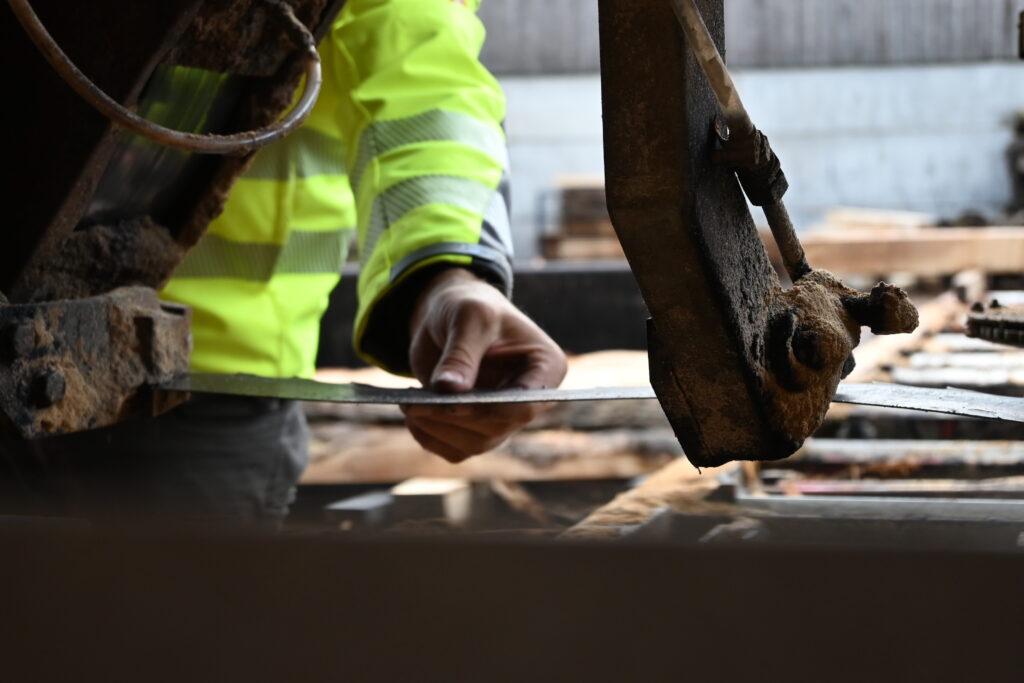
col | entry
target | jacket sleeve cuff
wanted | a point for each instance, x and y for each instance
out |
(383, 338)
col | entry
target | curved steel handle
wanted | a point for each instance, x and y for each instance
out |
(234, 144)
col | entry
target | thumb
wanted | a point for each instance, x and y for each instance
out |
(468, 339)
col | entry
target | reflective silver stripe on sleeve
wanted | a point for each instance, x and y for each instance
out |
(437, 125)
(307, 252)
(496, 232)
(398, 200)
(495, 258)
(303, 154)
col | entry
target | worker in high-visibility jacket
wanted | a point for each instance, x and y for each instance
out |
(404, 154)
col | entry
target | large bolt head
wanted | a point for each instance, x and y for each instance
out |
(48, 388)
(806, 348)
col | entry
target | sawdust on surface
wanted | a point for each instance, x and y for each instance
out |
(825, 307)
(817, 301)
(97, 375)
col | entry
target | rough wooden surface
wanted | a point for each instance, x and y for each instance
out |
(846, 217)
(582, 248)
(678, 486)
(849, 242)
(919, 251)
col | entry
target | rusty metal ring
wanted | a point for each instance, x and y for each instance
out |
(234, 144)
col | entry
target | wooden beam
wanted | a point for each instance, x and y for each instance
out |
(849, 218)
(581, 248)
(918, 251)
(918, 452)
(995, 379)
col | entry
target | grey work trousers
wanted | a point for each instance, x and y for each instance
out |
(216, 459)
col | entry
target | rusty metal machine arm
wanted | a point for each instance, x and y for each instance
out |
(743, 368)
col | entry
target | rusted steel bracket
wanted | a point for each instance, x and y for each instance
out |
(82, 335)
(743, 369)
(67, 366)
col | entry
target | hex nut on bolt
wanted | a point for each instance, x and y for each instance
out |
(48, 388)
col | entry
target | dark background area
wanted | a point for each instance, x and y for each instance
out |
(585, 307)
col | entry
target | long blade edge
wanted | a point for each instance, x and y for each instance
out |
(950, 401)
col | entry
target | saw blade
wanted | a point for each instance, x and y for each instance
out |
(312, 390)
(948, 401)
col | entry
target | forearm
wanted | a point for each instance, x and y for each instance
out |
(427, 158)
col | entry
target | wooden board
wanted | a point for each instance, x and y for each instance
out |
(581, 227)
(582, 248)
(917, 251)
(584, 211)
(846, 217)
(583, 202)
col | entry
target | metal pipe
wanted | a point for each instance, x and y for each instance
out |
(740, 126)
(234, 144)
(792, 251)
(704, 49)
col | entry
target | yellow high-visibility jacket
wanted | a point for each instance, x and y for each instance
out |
(404, 152)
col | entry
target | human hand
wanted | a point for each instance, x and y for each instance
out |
(466, 335)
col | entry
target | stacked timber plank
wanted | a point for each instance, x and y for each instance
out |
(850, 242)
(881, 243)
(584, 230)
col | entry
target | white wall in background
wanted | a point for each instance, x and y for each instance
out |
(925, 138)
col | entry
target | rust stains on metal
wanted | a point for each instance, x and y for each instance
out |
(74, 365)
(743, 369)
(814, 327)
(102, 258)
